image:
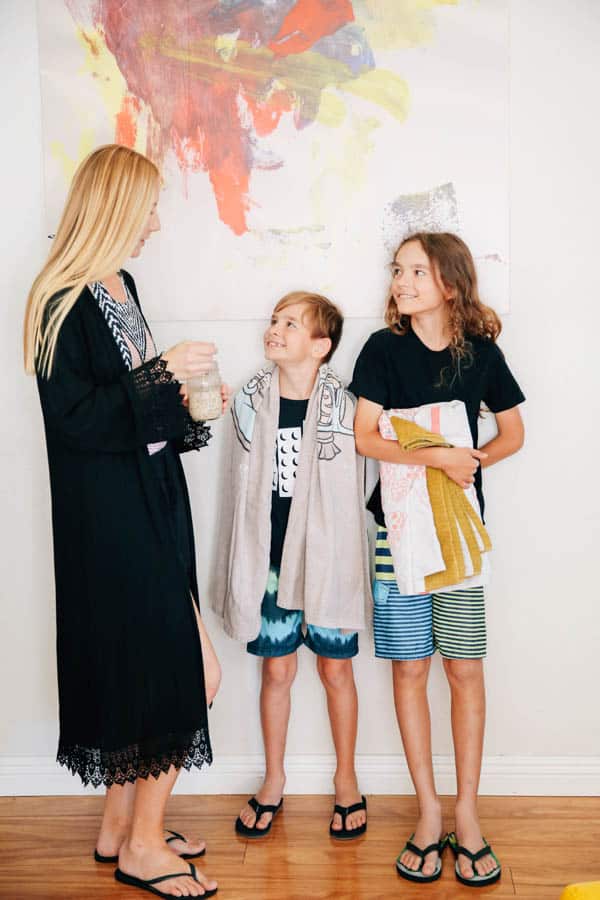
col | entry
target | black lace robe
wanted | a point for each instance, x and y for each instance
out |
(130, 673)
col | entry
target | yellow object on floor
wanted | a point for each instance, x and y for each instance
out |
(588, 890)
(453, 513)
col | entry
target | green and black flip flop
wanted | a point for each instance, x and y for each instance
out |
(417, 874)
(476, 879)
(253, 831)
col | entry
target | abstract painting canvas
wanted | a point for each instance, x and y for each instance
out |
(298, 140)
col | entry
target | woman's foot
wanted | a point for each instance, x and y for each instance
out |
(428, 831)
(468, 833)
(269, 795)
(110, 842)
(154, 860)
(347, 794)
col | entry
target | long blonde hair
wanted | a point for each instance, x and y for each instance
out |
(468, 315)
(109, 202)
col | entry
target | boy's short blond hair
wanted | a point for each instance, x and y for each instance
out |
(326, 320)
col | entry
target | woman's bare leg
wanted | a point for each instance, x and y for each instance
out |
(144, 853)
(116, 818)
(116, 824)
(212, 667)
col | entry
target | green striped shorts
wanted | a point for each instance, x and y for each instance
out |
(414, 627)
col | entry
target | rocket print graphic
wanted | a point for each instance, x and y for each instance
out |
(285, 464)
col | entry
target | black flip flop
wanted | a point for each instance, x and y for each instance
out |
(148, 885)
(417, 874)
(105, 859)
(175, 836)
(476, 879)
(259, 809)
(343, 833)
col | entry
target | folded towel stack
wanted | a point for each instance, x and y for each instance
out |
(453, 514)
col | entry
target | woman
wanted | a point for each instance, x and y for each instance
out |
(135, 666)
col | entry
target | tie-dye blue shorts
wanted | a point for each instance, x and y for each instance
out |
(281, 630)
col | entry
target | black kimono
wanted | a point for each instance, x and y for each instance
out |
(130, 672)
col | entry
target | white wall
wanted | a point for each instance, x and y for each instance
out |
(543, 668)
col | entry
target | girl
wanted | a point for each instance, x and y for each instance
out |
(135, 665)
(439, 345)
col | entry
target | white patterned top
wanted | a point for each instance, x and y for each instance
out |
(129, 330)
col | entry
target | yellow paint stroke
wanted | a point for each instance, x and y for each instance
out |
(385, 89)
(343, 173)
(226, 45)
(332, 109)
(398, 24)
(100, 64)
(306, 76)
(301, 71)
(59, 152)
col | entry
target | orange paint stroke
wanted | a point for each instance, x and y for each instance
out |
(309, 21)
(126, 123)
(230, 184)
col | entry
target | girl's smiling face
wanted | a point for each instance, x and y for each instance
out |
(416, 284)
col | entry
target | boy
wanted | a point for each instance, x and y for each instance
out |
(294, 542)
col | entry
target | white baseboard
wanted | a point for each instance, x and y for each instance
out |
(501, 775)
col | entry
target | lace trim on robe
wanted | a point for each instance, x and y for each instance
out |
(103, 767)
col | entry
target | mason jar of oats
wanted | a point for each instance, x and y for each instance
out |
(204, 395)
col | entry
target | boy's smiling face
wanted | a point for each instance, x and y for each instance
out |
(288, 338)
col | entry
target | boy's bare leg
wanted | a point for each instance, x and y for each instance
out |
(144, 853)
(412, 712)
(342, 703)
(467, 690)
(278, 674)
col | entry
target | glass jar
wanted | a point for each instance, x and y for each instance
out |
(204, 395)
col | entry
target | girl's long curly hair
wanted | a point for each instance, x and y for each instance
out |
(468, 316)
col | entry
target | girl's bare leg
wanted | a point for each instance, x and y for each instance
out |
(412, 712)
(467, 689)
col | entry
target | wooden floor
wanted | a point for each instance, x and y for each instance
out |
(46, 846)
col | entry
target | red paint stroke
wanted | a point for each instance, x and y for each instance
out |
(309, 21)
(209, 112)
(266, 115)
(127, 117)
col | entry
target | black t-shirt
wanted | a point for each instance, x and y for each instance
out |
(292, 414)
(400, 372)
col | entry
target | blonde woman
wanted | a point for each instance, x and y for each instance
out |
(135, 666)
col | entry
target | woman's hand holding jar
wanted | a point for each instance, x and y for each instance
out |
(189, 359)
